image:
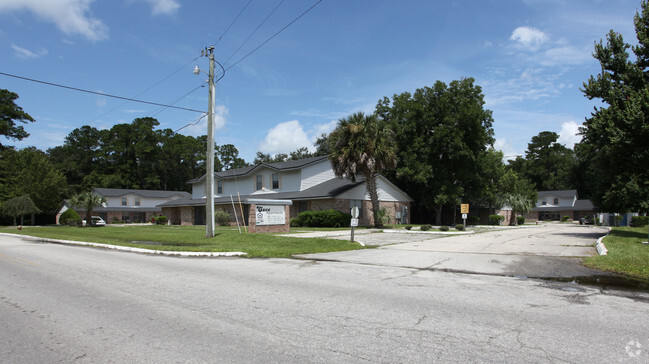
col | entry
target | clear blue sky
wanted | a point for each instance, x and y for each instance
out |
(529, 56)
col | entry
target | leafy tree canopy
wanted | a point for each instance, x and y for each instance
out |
(442, 133)
(614, 145)
(10, 114)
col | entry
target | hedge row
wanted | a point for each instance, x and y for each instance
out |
(322, 218)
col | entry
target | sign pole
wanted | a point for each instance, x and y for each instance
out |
(354, 221)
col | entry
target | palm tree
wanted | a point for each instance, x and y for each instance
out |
(363, 145)
(87, 201)
(518, 202)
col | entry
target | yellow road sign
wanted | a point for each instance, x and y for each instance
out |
(464, 208)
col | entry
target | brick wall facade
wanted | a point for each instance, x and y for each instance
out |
(253, 228)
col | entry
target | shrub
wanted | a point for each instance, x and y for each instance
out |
(408, 227)
(161, 220)
(639, 221)
(444, 228)
(473, 220)
(324, 218)
(425, 227)
(294, 222)
(222, 217)
(496, 219)
(520, 220)
(565, 218)
(459, 227)
(73, 222)
(68, 214)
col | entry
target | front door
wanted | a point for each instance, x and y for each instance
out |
(199, 215)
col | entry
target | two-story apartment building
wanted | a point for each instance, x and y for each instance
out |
(309, 183)
(129, 205)
(553, 205)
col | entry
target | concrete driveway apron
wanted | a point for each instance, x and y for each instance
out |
(549, 250)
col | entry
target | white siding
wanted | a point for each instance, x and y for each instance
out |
(145, 202)
(316, 173)
(386, 190)
(198, 190)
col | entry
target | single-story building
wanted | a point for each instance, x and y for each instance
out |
(127, 205)
(310, 184)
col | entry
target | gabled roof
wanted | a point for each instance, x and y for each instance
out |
(118, 192)
(327, 189)
(558, 193)
(279, 166)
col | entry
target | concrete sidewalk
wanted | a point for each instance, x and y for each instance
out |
(552, 250)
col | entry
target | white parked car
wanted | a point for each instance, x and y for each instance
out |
(96, 221)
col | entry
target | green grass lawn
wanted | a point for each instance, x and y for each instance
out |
(625, 253)
(191, 238)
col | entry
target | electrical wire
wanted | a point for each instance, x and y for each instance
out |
(178, 99)
(274, 35)
(98, 93)
(255, 31)
(235, 19)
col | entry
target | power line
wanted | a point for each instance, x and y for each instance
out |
(274, 35)
(235, 19)
(99, 93)
(178, 99)
(255, 31)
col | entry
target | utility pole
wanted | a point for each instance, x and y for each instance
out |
(209, 203)
(209, 177)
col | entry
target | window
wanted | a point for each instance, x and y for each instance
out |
(259, 183)
(556, 200)
(219, 187)
(124, 201)
(137, 201)
(544, 202)
(359, 204)
(275, 177)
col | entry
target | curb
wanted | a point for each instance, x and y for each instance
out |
(129, 249)
(601, 248)
(429, 232)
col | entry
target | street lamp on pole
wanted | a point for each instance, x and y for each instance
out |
(209, 180)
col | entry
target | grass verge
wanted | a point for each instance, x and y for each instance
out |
(626, 255)
(191, 238)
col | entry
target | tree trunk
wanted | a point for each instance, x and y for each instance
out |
(512, 219)
(438, 215)
(88, 217)
(370, 182)
(33, 218)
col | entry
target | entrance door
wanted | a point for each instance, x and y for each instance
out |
(199, 215)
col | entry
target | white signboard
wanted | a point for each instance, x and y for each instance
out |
(270, 215)
(464, 216)
(354, 222)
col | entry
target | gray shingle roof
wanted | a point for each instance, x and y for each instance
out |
(279, 166)
(558, 193)
(117, 192)
(328, 189)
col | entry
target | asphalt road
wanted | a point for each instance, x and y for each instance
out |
(541, 251)
(74, 304)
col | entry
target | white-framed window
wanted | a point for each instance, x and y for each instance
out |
(359, 204)
(124, 201)
(137, 201)
(556, 200)
(219, 187)
(259, 182)
(275, 181)
(544, 202)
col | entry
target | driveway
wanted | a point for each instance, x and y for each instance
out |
(552, 250)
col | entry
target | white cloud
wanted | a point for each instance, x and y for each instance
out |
(198, 126)
(529, 38)
(568, 134)
(23, 53)
(285, 137)
(509, 153)
(320, 129)
(164, 7)
(70, 16)
(565, 56)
